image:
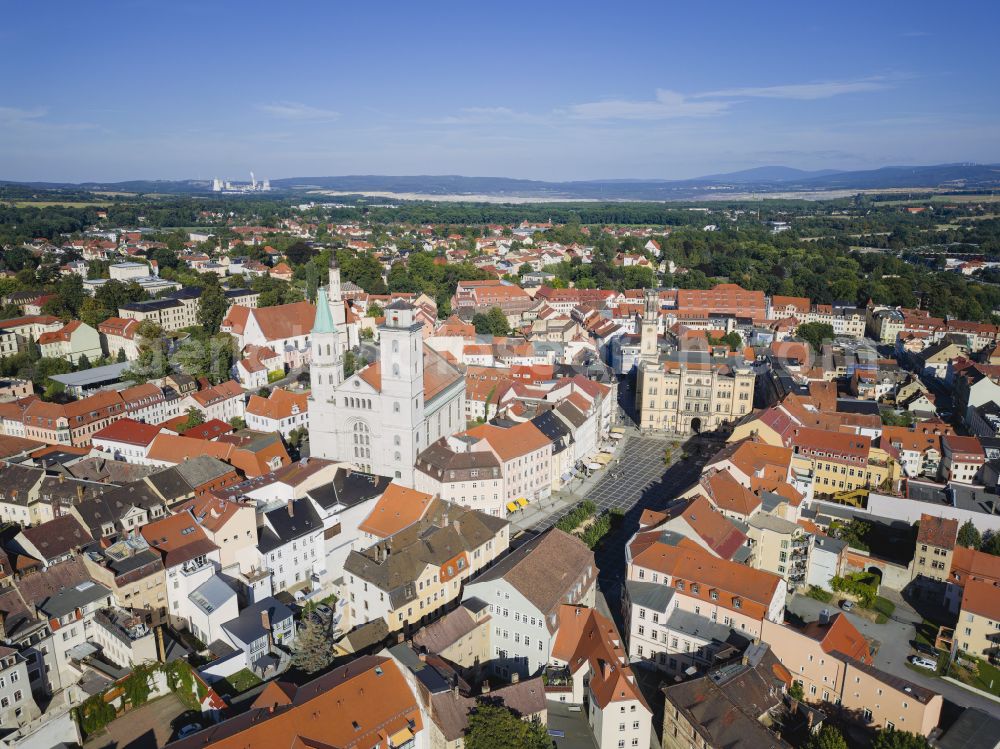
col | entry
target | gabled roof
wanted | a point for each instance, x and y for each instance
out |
(728, 494)
(398, 508)
(512, 442)
(128, 431)
(587, 639)
(356, 706)
(280, 404)
(840, 636)
(718, 532)
(178, 538)
(937, 531)
(57, 537)
(545, 569)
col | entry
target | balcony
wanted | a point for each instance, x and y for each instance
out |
(557, 679)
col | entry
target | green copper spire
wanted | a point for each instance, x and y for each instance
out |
(324, 320)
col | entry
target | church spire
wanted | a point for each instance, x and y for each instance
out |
(324, 319)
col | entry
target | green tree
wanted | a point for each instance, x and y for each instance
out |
(313, 649)
(299, 253)
(212, 308)
(94, 313)
(237, 422)
(496, 727)
(374, 310)
(152, 362)
(969, 536)
(796, 692)
(83, 362)
(899, 740)
(991, 544)
(814, 333)
(493, 322)
(121, 358)
(828, 737)
(194, 418)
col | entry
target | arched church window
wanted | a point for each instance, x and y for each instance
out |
(395, 370)
(395, 347)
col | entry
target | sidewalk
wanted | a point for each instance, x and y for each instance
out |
(562, 500)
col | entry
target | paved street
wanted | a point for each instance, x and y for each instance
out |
(894, 639)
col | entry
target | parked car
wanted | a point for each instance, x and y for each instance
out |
(188, 730)
(323, 610)
(925, 649)
(847, 605)
(921, 662)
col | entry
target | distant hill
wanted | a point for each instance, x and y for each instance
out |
(765, 179)
(770, 174)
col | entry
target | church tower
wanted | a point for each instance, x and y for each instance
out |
(336, 303)
(401, 360)
(648, 347)
(326, 372)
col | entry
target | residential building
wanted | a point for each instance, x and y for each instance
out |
(282, 411)
(588, 655)
(451, 470)
(731, 707)
(290, 545)
(17, 703)
(462, 636)
(416, 573)
(738, 596)
(962, 458)
(978, 629)
(525, 454)
(525, 591)
(135, 575)
(343, 503)
(779, 546)
(932, 558)
(71, 342)
(366, 703)
(678, 642)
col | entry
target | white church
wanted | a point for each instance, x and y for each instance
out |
(381, 417)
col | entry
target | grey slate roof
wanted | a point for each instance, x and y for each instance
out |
(654, 596)
(689, 623)
(211, 594)
(349, 488)
(247, 627)
(545, 569)
(283, 528)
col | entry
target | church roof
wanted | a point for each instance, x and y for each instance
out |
(439, 374)
(324, 320)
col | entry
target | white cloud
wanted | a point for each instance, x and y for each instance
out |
(801, 91)
(16, 114)
(296, 111)
(488, 116)
(667, 105)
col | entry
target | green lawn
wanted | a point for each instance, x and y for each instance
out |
(884, 608)
(238, 683)
(984, 676)
(927, 632)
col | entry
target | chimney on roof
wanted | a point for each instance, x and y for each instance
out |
(515, 677)
(291, 508)
(265, 620)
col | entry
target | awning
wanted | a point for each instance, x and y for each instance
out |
(401, 737)
(511, 507)
(522, 501)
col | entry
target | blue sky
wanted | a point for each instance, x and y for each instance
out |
(541, 90)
